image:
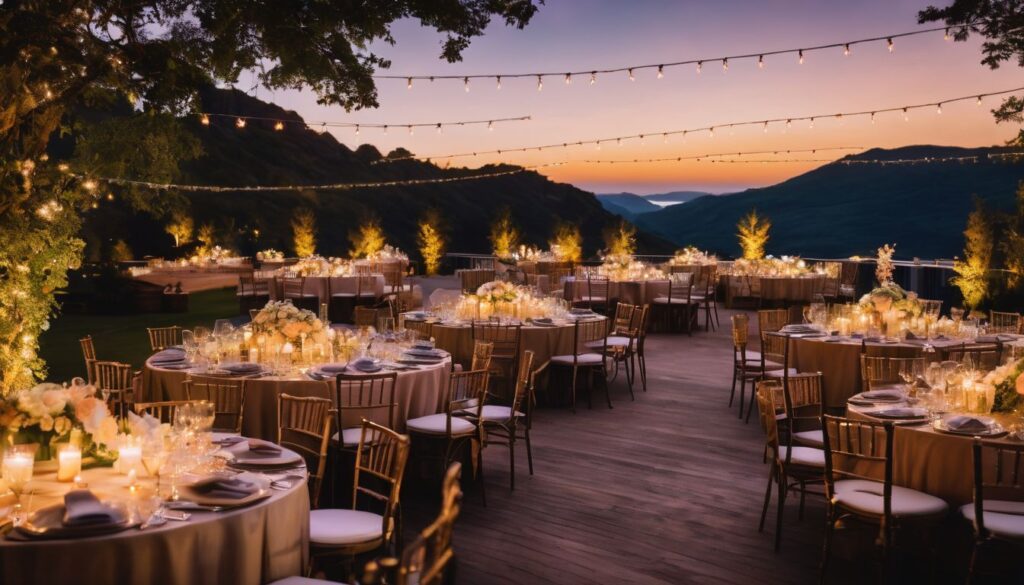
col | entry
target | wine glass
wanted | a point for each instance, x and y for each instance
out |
(17, 472)
(154, 456)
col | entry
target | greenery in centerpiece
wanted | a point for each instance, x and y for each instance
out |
(48, 414)
(1008, 381)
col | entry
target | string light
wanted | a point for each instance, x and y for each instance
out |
(906, 116)
(760, 61)
(568, 78)
(465, 81)
(593, 77)
(945, 36)
(700, 65)
(438, 128)
(499, 82)
(540, 83)
(938, 109)
(631, 78)
(843, 115)
(845, 45)
(357, 130)
(408, 84)
(278, 123)
(725, 65)
(766, 127)
(979, 101)
(490, 126)
(681, 158)
(325, 187)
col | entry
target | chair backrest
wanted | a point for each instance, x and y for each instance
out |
(1004, 322)
(364, 316)
(163, 337)
(597, 287)
(113, 376)
(246, 285)
(423, 329)
(848, 274)
(472, 279)
(227, 396)
(365, 397)
(163, 410)
(393, 276)
(523, 379)
(858, 449)
(770, 320)
(293, 287)
(980, 357)
(623, 321)
(803, 401)
(769, 402)
(366, 285)
(642, 319)
(89, 354)
(680, 286)
(879, 370)
(425, 560)
(587, 331)
(740, 334)
(505, 338)
(998, 474)
(482, 351)
(379, 467)
(466, 391)
(304, 426)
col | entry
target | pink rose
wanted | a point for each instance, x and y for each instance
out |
(54, 400)
(1019, 384)
(85, 408)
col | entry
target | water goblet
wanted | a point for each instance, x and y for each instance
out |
(18, 463)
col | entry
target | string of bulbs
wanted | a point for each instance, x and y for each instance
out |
(92, 183)
(699, 157)
(764, 123)
(279, 124)
(1005, 156)
(632, 70)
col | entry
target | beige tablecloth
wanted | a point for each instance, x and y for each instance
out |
(417, 392)
(545, 342)
(782, 289)
(839, 363)
(930, 461)
(317, 285)
(255, 544)
(633, 292)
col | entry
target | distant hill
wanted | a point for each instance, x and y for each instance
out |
(840, 210)
(628, 205)
(258, 155)
(675, 197)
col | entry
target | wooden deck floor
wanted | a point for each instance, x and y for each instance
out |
(666, 489)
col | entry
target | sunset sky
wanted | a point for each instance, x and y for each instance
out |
(586, 34)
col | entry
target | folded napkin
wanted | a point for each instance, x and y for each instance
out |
(228, 440)
(171, 355)
(263, 448)
(225, 487)
(578, 311)
(881, 394)
(335, 368)
(423, 345)
(242, 367)
(83, 508)
(545, 320)
(966, 423)
(900, 412)
(430, 353)
(417, 315)
(314, 375)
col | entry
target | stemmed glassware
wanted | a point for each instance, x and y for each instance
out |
(18, 464)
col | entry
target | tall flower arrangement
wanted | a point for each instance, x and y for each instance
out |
(368, 239)
(884, 266)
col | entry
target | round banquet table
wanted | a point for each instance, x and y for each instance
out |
(839, 363)
(545, 342)
(781, 289)
(254, 544)
(418, 393)
(317, 285)
(633, 292)
(931, 461)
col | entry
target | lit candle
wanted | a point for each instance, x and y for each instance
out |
(17, 468)
(128, 458)
(69, 460)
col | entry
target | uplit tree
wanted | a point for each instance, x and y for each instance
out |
(56, 57)
(207, 237)
(304, 232)
(431, 241)
(620, 239)
(972, 272)
(504, 235)
(1012, 241)
(567, 243)
(753, 234)
(368, 239)
(180, 226)
(1001, 23)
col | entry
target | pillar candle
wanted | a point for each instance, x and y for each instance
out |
(69, 461)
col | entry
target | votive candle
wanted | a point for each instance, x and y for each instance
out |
(128, 458)
(69, 463)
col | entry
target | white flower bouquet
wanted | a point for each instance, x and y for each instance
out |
(283, 322)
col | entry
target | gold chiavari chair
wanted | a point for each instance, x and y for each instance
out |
(621, 341)
(1004, 322)
(304, 426)
(426, 560)
(160, 338)
(364, 317)
(592, 360)
(774, 354)
(506, 340)
(394, 279)
(89, 353)
(676, 306)
(859, 485)
(848, 279)
(997, 512)
(251, 293)
(379, 466)
(792, 467)
(596, 293)
(830, 286)
(457, 424)
(474, 278)
(482, 351)
(984, 357)
(639, 346)
(804, 407)
(746, 364)
(883, 371)
(293, 288)
(556, 280)
(704, 295)
(162, 410)
(362, 397)
(114, 382)
(423, 329)
(227, 396)
(501, 423)
(399, 303)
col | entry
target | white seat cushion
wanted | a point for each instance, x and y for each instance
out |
(593, 299)
(1003, 518)
(497, 412)
(778, 373)
(612, 341)
(436, 424)
(674, 301)
(304, 581)
(808, 456)
(861, 495)
(584, 359)
(331, 526)
(351, 436)
(812, 438)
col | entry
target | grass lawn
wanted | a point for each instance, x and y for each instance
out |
(123, 338)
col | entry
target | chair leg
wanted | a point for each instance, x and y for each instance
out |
(975, 551)
(750, 406)
(607, 388)
(480, 471)
(512, 459)
(572, 388)
(743, 395)
(803, 493)
(783, 489)
(732, 394)
(529, 449)
(643, 371)
(632, 396)
(827, 546)
(767, 496)
(590, 388)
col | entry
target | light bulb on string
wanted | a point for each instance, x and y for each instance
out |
(906, 116)
(490, 125)
(641, 140)
(800, 55)
(700, 65)
(357, 129)
(385, 129)
(711, 132)
(410, 130)
(498, 79)
(945, 35)
(408, 83)
(465, 82)
(938, 108)
(766, 127)
(978, 103)
(631, 78)
(725, 64)
(812, 123)
(540, 83)
(760, 61)
(205, 120)
(618, 142)
(597, 145)
(661, 71)
(568, 78)
(664, 138)
(846, 50)
(439, 128)
(892, 47)
(789, 124)
(872, 117)
(593, 77)
(279, 126)
(240, 122)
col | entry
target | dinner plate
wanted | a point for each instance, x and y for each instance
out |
(866, 397)
(48, 523)
(899, 413)
(994, 430)
(262, 492)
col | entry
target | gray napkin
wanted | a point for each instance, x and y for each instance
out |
(225, 487)
(83, 508)
(967, 423)
(170, 355)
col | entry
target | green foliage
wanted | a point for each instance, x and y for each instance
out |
(620, 239)
(304, 232)
(431, 241)
(368, 239)
(568, 242)
(121, 252)
(504, 234)
(973, 271)
(752, 231)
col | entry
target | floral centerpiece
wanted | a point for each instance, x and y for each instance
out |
(389, 253)
(311, 266)
(770, 266)
(282, 322)
(690, 256)
(498, 291)
(624, 267)
(214, 255)
(891, 297)
(270, 255)
(48, 414)
(1008, 381)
